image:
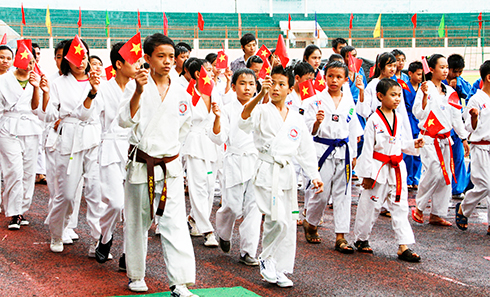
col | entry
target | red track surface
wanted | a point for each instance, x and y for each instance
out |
(452, 263)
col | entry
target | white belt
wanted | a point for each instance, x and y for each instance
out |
(19, 115)
(114, 136)
(238, 151)
(78, 123)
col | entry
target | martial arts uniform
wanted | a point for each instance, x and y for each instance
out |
(434, 184)
(277, 141)
(480, 153)
(413, 163)
(238, 192)
(382, 160)
(336, 145)
(19, 139)
(158, 129)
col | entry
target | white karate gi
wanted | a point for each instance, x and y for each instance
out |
(76, 153)
(19, 139)
(378, 139)
(277, 141)
(238, 193)
(340, 122)
(480, 153)
(158, 128)
(432, 185)
(113, 156)
(201, 156)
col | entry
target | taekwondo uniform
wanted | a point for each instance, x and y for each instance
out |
(157, 129)
(413, 163)
(434, 184)
(382, 160)
(277, 141)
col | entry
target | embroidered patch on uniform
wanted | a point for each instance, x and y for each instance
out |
(443, 107)
(374, 198)
(484, 106)
(348, 118)
(301, 111)
(392, 140)
(183, 107)
(290, 102)
(293, 133)
(335, 117)
(318, 103)
(351, 111)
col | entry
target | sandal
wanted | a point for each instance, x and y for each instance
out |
(409, 256)
(311, 233)
(461, 220)
(363, 246)
(439, 222)
(343, 246)
(415, 217)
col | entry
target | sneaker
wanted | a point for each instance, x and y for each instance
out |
(122, 263)
(248, 260)
(56, 245)
(192, 227)
(66, 238)
(210, 240)
(268, 270)
(93, 247)
(225, 245)
(15, 223)
(137, 285)
(283, 281)
(182, 291)
(72, 234)
(102, 251)
(23, 221)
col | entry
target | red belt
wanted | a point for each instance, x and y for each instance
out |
(441, 158)
(394, 161)
(481, 142)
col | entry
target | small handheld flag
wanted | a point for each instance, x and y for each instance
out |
(131, 51)
(23, 56)
(306, 89)
(425, 65)
(205, 83)
(432, 125)
(453, 100)
(281, 52)
(263, 52)
(319, 83)
(265, 70)
(354, 63)
(4, 39)
(110, 72)
(222, 60)
(403, 84)
(77, 52)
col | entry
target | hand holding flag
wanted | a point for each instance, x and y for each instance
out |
(131, 51)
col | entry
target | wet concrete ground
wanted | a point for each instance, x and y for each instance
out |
(453, 262)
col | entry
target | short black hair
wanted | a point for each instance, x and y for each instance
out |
(60, 46)
(432, 62)
(96, 57)
(65, 65)
(385, 85)
(302, 68)
(247, 38)
(335, 57)
(338, 41)
(186, 45)
(254, 59)
(196, 66)
(414, 66)
(115, 55)
(6, 47)
(186, 65)
(346, 50)
(455, 61)
(288, 72)
(154, 40)
(242, 71)
(485, 69)
(397, 52)
(381, 62)
(211, 57)
(337, 64)
(309, 50)
(179, 49)
(34, 45)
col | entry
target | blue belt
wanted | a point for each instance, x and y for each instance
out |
(332, 144)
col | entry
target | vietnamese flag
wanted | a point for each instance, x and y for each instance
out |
(265, 70)
(306, 89)
(414, 21)
(354, 63)
(481, 84)
(110, 72)
(23, 14)
(200, 21)
(453, 100)
(432, 125)
(131, 51)
(263, 52)
(165, 24)
(79, 23)
(281, 52)
(23, 56)
(425, 65)
(77, 52)
(319, 83)
(371, 71)
(403, 84)
(205, 83)
(191, 91)
(222, 60)
(4, 39)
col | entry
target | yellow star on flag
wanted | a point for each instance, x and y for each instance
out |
(431, 122)
(207, 79)
(321, 82)
(25, 54)
(136, 48)
(264, 53)
(222, 58)
(268, 70)
(78, 49)
(113, 72)
(305, 91)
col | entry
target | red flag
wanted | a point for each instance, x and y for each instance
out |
(77, 52)
(205, 83)
(481, 84)
(414, 21)
(23, 56)
(110, 72)
(37, 69)
(354, 63)
(281, 52)
(139, 20)
(372, 70)
(79, 23)
(479, 21)
(191, 91)
(306, 89)
(222, 60)
(432, 125)
(265, 70)
(263, 52)
(131, 51)
(26, 42)
(165, 24)
(4, 39)
(319, 83)
(350, 20)
(200, 21)
(23, 14)
(453, 100)
(425, 65)
(289, 22)
(403, 84)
